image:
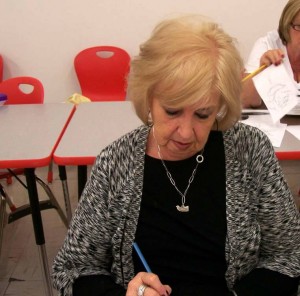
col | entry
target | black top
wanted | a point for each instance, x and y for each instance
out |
(185, 248)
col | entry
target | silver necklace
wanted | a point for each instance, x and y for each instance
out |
(199, 159)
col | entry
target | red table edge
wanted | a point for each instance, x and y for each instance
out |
(63, 130)
(89, 160)
(288, 155)
(34, 163)
(74, 161)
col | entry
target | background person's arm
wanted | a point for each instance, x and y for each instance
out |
(249, 96)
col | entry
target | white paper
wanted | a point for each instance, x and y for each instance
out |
(276, 90)
(296, 109)
(274, 131)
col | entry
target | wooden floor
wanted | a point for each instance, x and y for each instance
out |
(20, 272)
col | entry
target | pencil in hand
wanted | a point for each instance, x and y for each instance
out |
(141, 256)
(255, 72)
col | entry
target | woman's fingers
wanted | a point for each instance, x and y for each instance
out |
(274, 56)
(154, 287)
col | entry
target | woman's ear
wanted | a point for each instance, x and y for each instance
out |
(149, 120)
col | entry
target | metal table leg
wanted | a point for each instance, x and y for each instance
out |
(82, 177)
(38, 228)
(64, 182)
(2, 214)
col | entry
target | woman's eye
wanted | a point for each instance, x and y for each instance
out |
(202, 115)
(171, 112)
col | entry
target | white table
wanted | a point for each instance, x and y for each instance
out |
(29, 135)
(96, 124)
(290, 147)
(93, 126)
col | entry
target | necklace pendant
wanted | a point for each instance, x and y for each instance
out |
(183, 208)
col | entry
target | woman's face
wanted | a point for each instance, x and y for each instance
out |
(183, 132)
(295, 35)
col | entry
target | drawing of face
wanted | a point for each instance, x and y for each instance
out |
(280, 95)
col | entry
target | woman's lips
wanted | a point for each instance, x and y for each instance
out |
(181, 146)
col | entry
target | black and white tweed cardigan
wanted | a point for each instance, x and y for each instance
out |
(263, 223)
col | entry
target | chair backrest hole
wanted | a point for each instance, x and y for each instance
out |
(26, 88)
(104, 54)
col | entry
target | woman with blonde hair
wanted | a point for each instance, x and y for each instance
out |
(201, 194)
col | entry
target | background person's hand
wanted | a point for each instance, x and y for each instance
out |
(274, 56)
(154, 287)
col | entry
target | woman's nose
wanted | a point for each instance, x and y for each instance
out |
(186, 129)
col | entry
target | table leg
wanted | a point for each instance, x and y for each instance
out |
(38, 228)
(82, 177)
(2, 214)
(64, 182)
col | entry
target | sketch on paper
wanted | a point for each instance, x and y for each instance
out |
(278, 96)
(276, 90)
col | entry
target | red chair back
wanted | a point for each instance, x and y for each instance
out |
(102, 71)
(22, 90)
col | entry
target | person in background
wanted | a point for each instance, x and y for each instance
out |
(201, 194)
(278, 46)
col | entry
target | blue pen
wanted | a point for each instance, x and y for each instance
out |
(141, 256)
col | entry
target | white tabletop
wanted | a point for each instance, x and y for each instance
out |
(29, 133)
(290, 145)
(94, 126)
(289, 149)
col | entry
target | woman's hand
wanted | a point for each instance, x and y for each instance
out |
(152, 283)
(274, 56)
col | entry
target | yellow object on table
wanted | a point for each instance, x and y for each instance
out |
(78, 99)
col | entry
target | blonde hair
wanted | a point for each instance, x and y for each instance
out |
(288, 14)
(186, 59)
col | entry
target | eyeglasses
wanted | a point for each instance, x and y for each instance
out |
(295, 27)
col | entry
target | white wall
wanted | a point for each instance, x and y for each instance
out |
(40, 38)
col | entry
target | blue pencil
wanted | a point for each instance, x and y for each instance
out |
(141, 256)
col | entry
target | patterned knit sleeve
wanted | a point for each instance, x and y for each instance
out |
(86, 247)
(277, 215)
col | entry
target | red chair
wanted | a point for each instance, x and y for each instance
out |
(23, 90)
(102, 71)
